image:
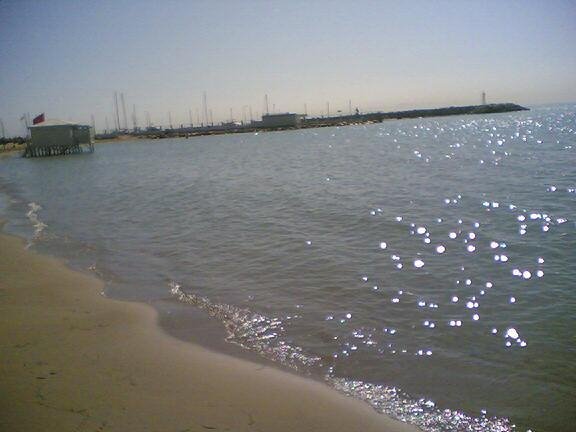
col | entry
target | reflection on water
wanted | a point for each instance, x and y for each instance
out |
(425, 266)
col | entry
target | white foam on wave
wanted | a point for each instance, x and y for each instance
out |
(422, 412)
(262, 334)
(252, 331)
(35, 220)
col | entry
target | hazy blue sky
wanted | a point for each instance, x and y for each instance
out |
(66, 58)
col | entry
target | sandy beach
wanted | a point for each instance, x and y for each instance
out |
(11, 150)
(73, 360)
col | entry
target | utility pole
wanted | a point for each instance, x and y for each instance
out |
(124, 111)
(170, 119)
(106, 123)
(483, 98)
(197, 117)
(251, 118)
(3, 130)
(190, 116)
(266, 104)
(93, 122)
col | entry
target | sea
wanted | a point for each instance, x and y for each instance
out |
(426, 266)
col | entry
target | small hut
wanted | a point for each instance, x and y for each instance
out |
(55, 137)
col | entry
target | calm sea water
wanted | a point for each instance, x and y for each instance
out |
(427, 266)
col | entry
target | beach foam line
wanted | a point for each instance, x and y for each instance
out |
(252, 331)
(39, 226)
(75, 360)
(265, 336)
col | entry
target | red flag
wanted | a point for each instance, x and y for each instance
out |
(38, 119)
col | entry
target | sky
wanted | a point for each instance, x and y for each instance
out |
(67, 58)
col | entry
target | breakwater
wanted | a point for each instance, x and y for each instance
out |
(314, 122)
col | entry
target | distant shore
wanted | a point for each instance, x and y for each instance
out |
(75, 360)
(315, 122)
(11, 148)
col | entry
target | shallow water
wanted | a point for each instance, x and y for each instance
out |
(423, 265)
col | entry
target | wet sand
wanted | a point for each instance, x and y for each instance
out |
(73, 360)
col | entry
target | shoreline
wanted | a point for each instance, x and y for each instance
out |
(13, 150)
(75, 360)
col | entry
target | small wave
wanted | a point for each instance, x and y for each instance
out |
(252, 331)
(38, 225)
(262, 334)
(422, 413)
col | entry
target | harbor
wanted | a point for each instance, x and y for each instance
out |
(287, 121)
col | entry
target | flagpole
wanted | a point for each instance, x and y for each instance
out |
(25, 120)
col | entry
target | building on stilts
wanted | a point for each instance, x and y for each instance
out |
(55, 137)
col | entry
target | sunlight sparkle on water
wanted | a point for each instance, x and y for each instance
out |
(512, 333)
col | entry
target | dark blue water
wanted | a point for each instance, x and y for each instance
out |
(427, 266)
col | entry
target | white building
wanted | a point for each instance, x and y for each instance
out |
(281, 120)
(55, 137)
